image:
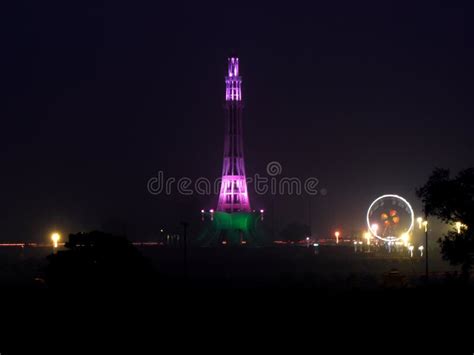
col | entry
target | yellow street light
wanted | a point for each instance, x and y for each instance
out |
(55, 237)
(425, 224)
(337, 234)
(367, 236)
(459, 226)
(419, 220)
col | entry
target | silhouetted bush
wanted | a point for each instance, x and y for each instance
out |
(98, 260)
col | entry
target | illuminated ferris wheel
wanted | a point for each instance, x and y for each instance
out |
(390, 217)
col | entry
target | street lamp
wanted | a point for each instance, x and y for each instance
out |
(410, 248)
(458, 227)
(367, 236)
(307, 242)
(419, 220)
(420, 248)
(337, 234)
(55, 237)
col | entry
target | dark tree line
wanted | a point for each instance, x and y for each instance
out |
(451, 199)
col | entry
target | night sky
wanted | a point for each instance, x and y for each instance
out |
(98, 97)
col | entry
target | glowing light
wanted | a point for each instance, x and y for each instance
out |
(410, 249)
(425, 224)
(337, 234)
(261, 211)
(419, 220)
(458, 227)
(375, 228)
(233, 81)
(405, 238)
(55, 237)
(22, 245)
(421, 248)
(367, 236)
(202, 211)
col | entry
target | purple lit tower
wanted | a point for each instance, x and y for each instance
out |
(233, 196)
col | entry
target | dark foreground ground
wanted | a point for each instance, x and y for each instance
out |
(331, 268)
(280, 299)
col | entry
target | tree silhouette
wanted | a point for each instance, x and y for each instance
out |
(452, 200)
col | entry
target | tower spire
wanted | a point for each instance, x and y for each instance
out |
(233, 195)
(233, 81)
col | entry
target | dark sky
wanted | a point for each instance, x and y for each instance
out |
(98, 97)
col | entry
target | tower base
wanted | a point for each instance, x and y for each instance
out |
(233, 229)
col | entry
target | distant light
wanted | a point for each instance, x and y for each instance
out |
(419, 220)
(202, 211)
(315, 245)
(367, 236)
(425, 224)
(261, 211)
(55, 237)
(211, 210)
(161, 230)
(405, 238)
(307, 238)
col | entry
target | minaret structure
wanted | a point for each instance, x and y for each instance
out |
(233, 196)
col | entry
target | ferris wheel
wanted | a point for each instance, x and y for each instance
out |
(390, 217)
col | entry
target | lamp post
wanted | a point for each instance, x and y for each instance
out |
(425, 224)
(336, 234)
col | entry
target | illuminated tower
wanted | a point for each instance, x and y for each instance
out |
(233, 222)
(233, 195)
